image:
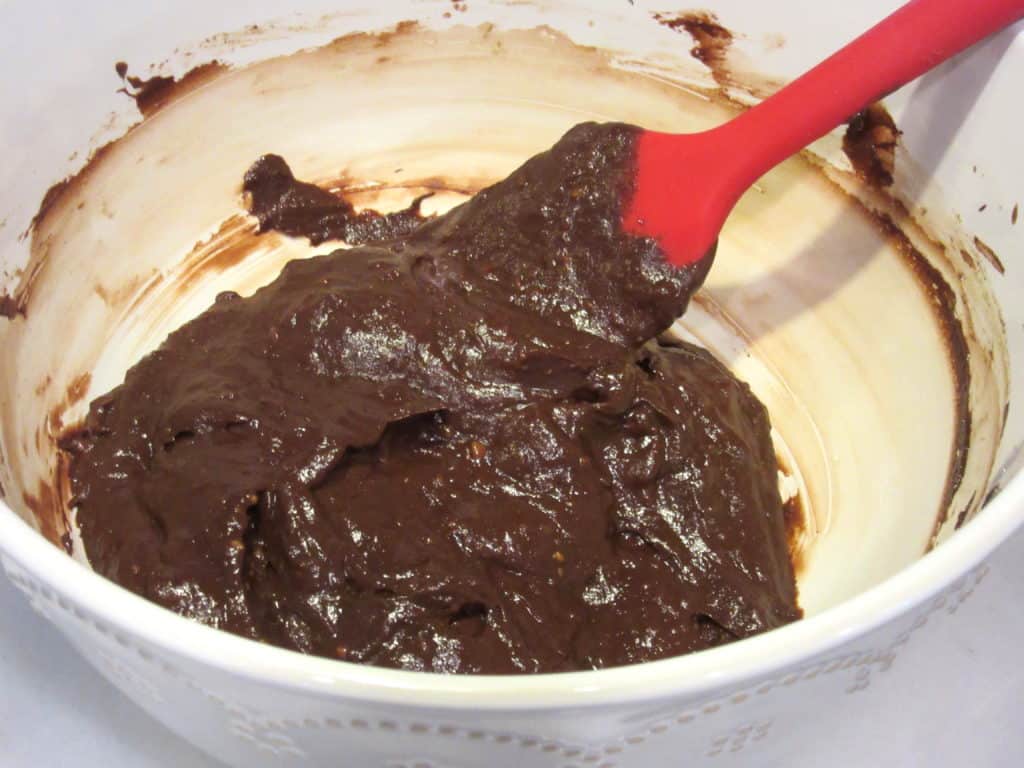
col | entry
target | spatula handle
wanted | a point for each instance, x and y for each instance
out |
(902, 47)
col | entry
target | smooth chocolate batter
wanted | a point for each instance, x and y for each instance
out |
(455, 449)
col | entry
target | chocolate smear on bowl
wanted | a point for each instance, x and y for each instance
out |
(870, 143)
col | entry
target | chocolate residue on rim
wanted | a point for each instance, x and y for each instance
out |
(16, 302)
(11, 306)
(986, 250)
(55, 193)
(1013, 214)
(381, 38)
(150, 95)
(153, 93)
(58, 191)
(943, 301)
(711, 40)
(870, 143)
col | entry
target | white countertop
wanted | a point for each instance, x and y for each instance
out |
(954, 698)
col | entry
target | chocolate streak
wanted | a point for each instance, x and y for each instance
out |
(456, 449)
(152, 94)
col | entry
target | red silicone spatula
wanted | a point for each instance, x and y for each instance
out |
(686, 185)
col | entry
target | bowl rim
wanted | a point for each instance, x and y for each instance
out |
(742, 663)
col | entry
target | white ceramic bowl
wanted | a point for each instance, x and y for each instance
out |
(808, 302)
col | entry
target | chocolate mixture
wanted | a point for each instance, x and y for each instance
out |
(458, 447)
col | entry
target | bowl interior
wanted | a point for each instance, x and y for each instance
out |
(882, 357)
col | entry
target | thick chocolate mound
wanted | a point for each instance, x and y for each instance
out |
(458, 447)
